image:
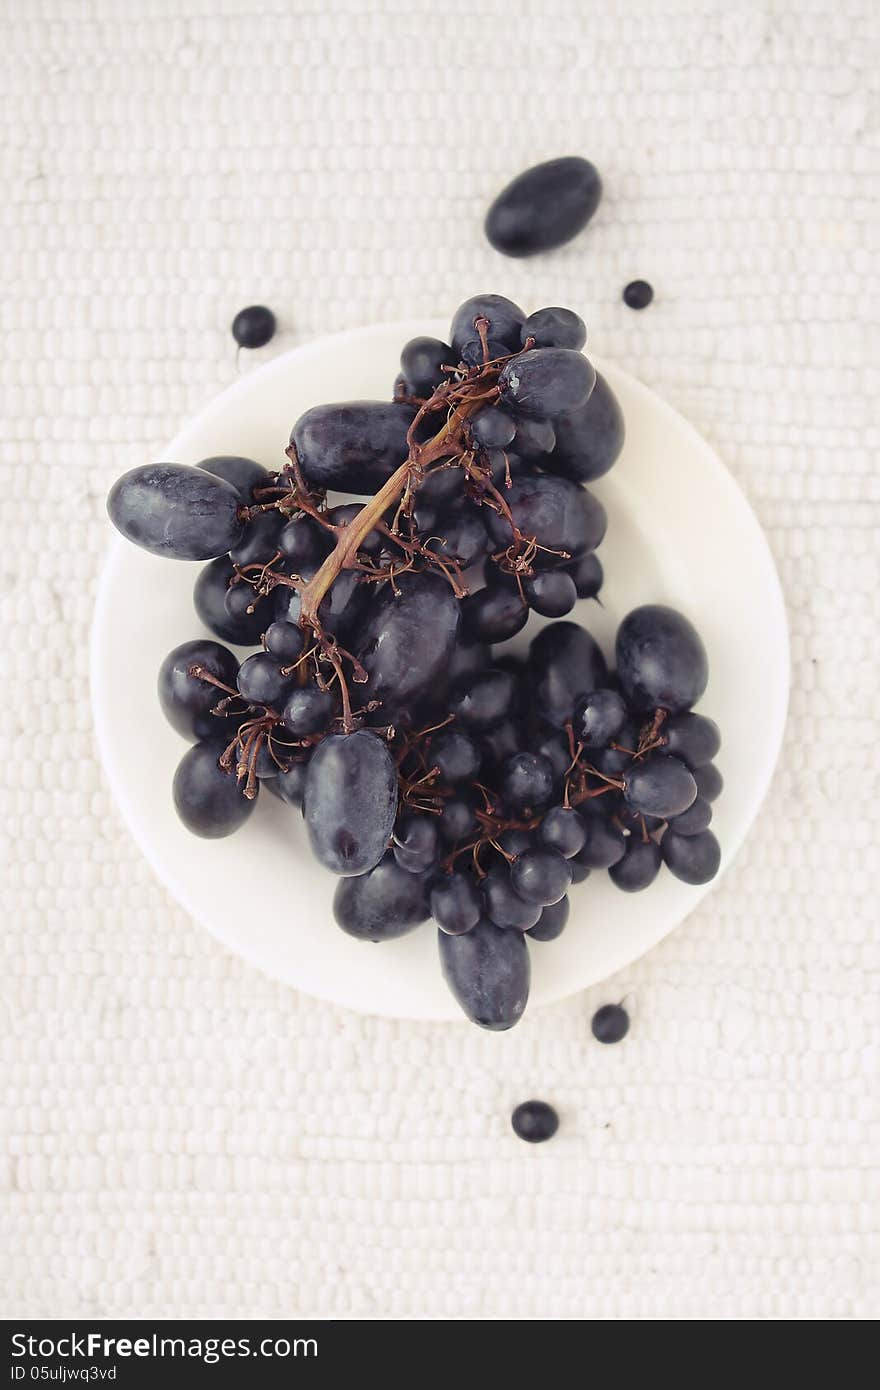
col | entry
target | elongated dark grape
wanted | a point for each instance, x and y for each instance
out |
(691, 737)
(421, 365)
(408, 638)
(303, 542)
(308, 710)
(554, 328)
(181, 513)
(504, 906)
(659, 786)
(415, 841)
(354, 446)
(488, 972)
(563, 518)
(551, 922)
(551, 593)
(260, 680)
(350, 801)
(661, 661)
(534, 437)
(456, 903)
(589, 439)
(505, 321)
(259, 540)
(693, 821)
(709, 781)
(547, 382)
(541, 876)
(564, 830)
(565, 663)
(186, 700)
(382, 903)
(587, 575)
(481, 700)
(692, 858)
(526, 782)
(456, 754)
(544, 206)
(245, 475)
(209, 801)
(639, 866)
(604, 844)
(284, 641)
(493, 614)
(209, 599)
(599, 718)
(493, 428)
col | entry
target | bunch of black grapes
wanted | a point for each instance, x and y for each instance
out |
(439, 776)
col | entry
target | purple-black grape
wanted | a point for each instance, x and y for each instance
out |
(552, 921)
(488, 971)
(456, 754)
(245, 475)
(547, 382)
(308, 710)
(534, 438)
(500, 741)
(240, 601)
(534, 1121)
(284, 641)
(587, 575)
(709, 781)
(382, 903)
(303, 542)
(260, 681)
(177, 512)
(259, 540)
(564, 519)
(254, 326)
(503, 904)
(691, 737)
(563, 829)
(186, 700)
(551, 593)
(637, 294)
(544, 206)
(493, 614)
(463, 536)
(599, 718)
(290, 783)
(353, 446)
(481, 700)
(639, 866)
(693, 821)
(421, 365)
(415, 841)
(661, 661)
(457, 822)
(407, 639)
(441, 486)
(554, 747)
(541, 876)
(209, 600)
(692, 858)
(350, 801)
(555, 328)
(610, 1024)
(472, 354)
(603, 845)
(589, 439)
(492, 428)
(456, 904)
(339, 610)
(505, 322)
(209, 800)
(617, 757)
(565, 663)
(348, 512)
(579, 872)
(526, 782)
(659, 786)
(517, 841)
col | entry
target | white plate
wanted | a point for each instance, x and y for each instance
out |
(680, 532)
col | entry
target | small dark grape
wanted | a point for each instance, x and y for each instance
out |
(210, 801)
(554, 328)
(709, 781)
(290, 783)
(563, 829)
(534, 1121)
(492, 427)
(284, 641)
(534, 437)
(260, 681)
(587, 575)
(526, 782)
(610, 1023)
(303, 542)
(480, 701)
(599, 718)
(604, 844)
(694, 820)
(414, 843)
(254, 326)
(639, 866)
(308, 710)
(457, 822)
(638, 294)
(421, 363)
(551, 593)
(659, 786)
(259, 542)
(551, 922)
(579, 872)
(493, 614)
(456, 904)
(241, 601)
(503, 904)
(691, 737)
(456, 754)
(692, 858)
(209, 601)
(541, 876)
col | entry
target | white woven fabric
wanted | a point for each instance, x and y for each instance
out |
(185, 1137)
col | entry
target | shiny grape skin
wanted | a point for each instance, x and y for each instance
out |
(177, 512)
(589, 440)
(407, 639)
(290, 783)
(505, 322)
(534, 1121)
(659, 786)
(604, 845)
(551, 593)
(564, 830)
(209, 801)
(339, 610)
(463, 537)
(488, 971)
(709, 781)
(348, 512)
(599, 718)
(612, 761)
(383, 903)
(414, 845)
(352, 446)
(534, 438)
(500, 741)
(526, 782)
(587, 574)
(456, 904)
(457, 821)
(544, 207)
(693, 859)
(541, 876)
(260, 681)
(285, 641)
(304, 543)
(481, 700)
(245, 475)
(308, 710)
(492, 428)
(639, 866)
(552, 921)
(517, 841)
(563, 518)
(503, 905)
(441, 486)
(547, 382)
(691, 737)
(240, 600)
(254, 326)
(259, 540)
(610, 1024)
(209, 600)
(493, 614)
(579, 872)
(565, 663)
(186, 700)
(555, 327)
(693, 821)
(554, 747)
(456, 754)
(661, 661)
(421, 364)
(350, 801)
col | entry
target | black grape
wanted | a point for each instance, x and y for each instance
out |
(589, 439)
(259, 540)
(551, 922)
(209, 599)
(244, 474)
(500, 741)
(579, 872)
(534, 438)
(186, 700)
(457, 821)
(604, 844)
(488, 972)
(517, 841)
(415, 842)
(456, 754)
(661, 662)
(551, 593)
(565, 663)
(614, 760)
(493, 428)
(564, 830)
(463, 535)
(554, 747)
(505, 322)
(547, 382)
(692, 858)
(209, 801)
(599, 718)
(290, 783)
(493, 614)
(709, 781)
(260, 681)
(472, 354)
(503, 904)
(563, 518)
(240, 601)
(526, 782)
(354, 446)
(304, 542)
(339, 609)
(308, 710)
(421, 365)
(541, 876)
(382, 903)
(587, 575)
(408, 638)
(554, 328)
(610, 1024)
(691, 737)
(693, 821)
(254, 326)
(181, 513)
(481, 700)
(348, 512)
(544, 206)
(659, 786)
(639, 866)
(456, 904)
(284, 641)
(350, 801)
(441, 485)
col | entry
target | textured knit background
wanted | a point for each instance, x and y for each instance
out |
(184, 1136)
